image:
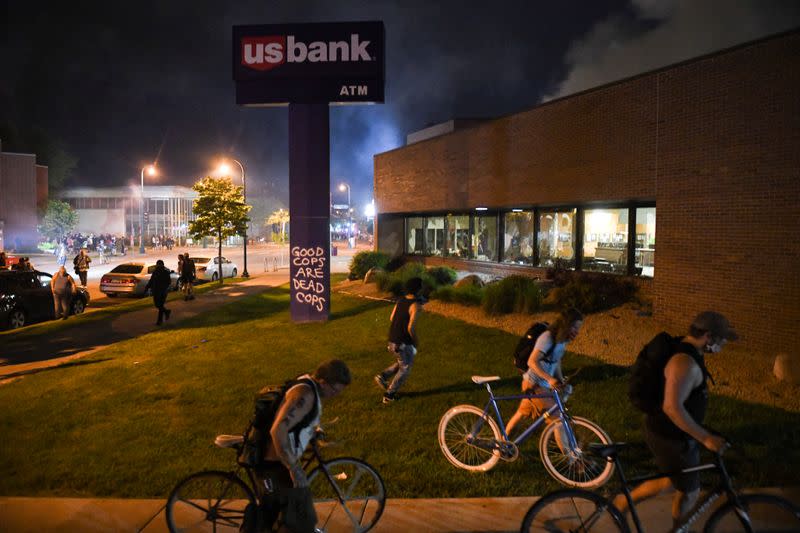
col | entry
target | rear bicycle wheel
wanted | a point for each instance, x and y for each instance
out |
(576, 467)
(350, 498)
(208, 501)
(468, 439)
(572, 510)
(760, 512)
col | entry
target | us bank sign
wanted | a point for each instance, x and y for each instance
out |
(341, 62)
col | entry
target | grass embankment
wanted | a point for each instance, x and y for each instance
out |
(143, 413)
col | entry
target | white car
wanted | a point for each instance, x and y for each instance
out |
(206, 268)
(131, 278)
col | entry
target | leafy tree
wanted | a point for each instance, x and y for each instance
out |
(49, 151)
(220, 211)
(281, 216)
(59, 219)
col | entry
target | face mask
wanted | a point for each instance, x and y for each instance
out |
(715, 346)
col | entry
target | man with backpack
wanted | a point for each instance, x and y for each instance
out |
(298, 414)
(668, 383)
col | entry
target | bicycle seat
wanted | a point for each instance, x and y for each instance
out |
(480, 380)
(228, 441)
(609, 451)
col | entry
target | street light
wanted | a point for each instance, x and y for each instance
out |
(349, 217)
(151, 171)
(224, 169)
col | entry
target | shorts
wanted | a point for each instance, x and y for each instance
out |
(673, 455)
(533, 407)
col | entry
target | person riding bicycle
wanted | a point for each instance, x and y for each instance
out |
(289, 438)
(674, 431)
(544, 368)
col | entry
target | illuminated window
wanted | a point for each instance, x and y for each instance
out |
(434, 235)
(605, 240)
(458, 238)
(415, 235)
(518, 238)
(484, 240)
(556, 238)
(645, 258)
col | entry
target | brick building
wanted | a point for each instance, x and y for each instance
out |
(707, 151)
(23, 191)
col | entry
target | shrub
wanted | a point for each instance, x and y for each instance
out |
(394, 282)
(363, 261)
(466, 295)
(591, 292)
(512, 294)
(395, 263)
(443, 275)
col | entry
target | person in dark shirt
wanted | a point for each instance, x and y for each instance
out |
(675, 432)
(187, 273)
(159, 285)
(402, 340)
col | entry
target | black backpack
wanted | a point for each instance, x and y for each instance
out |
(525, 346)
(267, 402)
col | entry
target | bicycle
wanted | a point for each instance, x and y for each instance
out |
(473, 440)
(580, 510)
(349, 494)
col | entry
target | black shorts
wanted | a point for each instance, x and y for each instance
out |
(673, 455)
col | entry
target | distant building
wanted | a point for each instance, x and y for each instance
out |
(115, 210)
(23, 191)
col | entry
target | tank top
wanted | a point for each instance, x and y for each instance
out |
(300, 437)
(398, 332)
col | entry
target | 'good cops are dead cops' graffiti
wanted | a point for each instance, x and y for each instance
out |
(308, 281)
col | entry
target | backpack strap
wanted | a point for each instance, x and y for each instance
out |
(314, 408)
(680, 346)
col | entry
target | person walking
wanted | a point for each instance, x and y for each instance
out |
(187, 277)
(402, 340)
(674, 431)
(158, 285)
(291, 432)
(62, 286)
(81, 264)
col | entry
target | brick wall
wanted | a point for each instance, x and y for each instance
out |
(714, 142)
(18, 199)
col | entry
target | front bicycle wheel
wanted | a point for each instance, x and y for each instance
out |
(468, 439)
(349, 495)
(208, 501)
(573, 510)
(759, 513)
(575, 467)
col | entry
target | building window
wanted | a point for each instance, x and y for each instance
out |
(644, 260)
(484, 240)
(458, 238)
(414, 235)
(434, 235)
(518, 238)
(605, 240)
(556, 239)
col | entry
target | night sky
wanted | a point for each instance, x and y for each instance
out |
(125, 83)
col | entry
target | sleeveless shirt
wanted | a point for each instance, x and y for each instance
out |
(398, 332)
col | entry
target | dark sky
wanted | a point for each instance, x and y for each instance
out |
(124, 83)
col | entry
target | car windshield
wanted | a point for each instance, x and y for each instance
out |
(127, 269)
(199, 260)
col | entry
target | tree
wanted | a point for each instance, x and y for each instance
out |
(59, 219)
(220, 211)
(281, 216)
(49, 151)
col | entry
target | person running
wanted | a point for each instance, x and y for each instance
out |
(187, 277)
(544, 369)
(81, 264)
(158, 284)
(402, 340)
(63, 287)
(674, 432)
(290, 434)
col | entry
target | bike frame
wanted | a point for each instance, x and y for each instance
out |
(558, 407)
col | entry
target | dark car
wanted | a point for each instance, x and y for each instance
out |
(25, 297)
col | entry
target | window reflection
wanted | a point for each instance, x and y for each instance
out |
(458, 236)
(414, 235)
(484, 241)
(645, 258)
(557, 239)
(434, 235)
(518, 238)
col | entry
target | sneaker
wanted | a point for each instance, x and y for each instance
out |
(389, 398)
(381, 382)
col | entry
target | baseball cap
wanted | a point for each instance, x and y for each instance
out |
(716, 324)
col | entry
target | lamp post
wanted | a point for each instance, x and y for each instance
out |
(224, 168)
(349, 211)
(151, 171)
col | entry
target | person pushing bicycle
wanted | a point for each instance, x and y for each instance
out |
(291, 432)
(674, 428)
(544, 368)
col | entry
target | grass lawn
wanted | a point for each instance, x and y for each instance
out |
(141, 414)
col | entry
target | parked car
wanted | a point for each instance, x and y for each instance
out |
(206, 268)
(131, 279)
(25, 298)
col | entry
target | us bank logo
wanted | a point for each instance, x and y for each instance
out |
(269, 52)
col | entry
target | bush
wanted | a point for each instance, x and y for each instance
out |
(395, 263)
(466, 295)
(513, 294)
(394, 282)
(591, 292)
(363, 261)
(443, 275)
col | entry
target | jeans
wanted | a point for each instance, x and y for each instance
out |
(61, 303)
(399, 370)
(82, 276)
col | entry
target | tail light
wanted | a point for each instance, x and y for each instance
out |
(130, 281)
(105, 279)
